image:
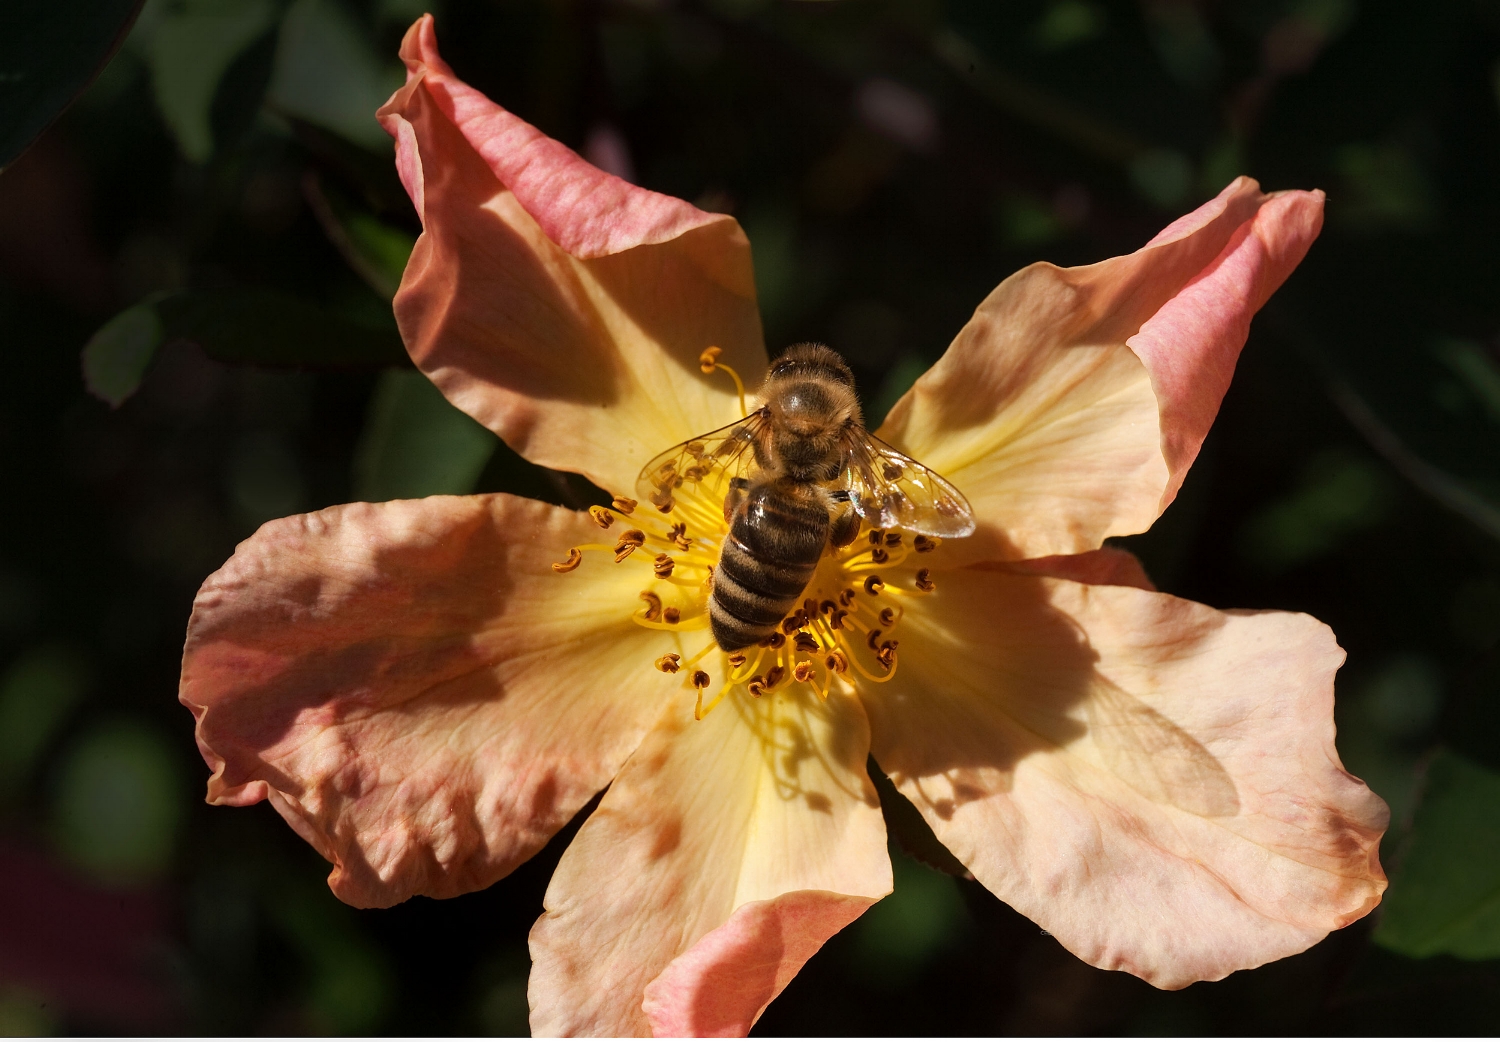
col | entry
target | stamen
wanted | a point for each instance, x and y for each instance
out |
(736, 660)
(876, 536)
(602, 517)
(805, 642)
(838, 662)
(879, 556)
(708, 361)
(701, 679)
(775, 676)
(793, 622)
(871, 639)
(804, 672)
(827, 607)
(887, 616)
(624, 505)
(926, 544)
(924, 580)
(678, 534)
(775, 640)
(757, 686)
(886, 656)
(575, 558)
(669, 663)
(873, 585)
(662, 500)
(663, 566)
(891, 538)
(653, 605)
(836, 620)
(671, 616)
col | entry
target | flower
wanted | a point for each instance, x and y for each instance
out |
(428, 690)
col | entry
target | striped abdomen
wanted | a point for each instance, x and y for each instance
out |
(776, 537)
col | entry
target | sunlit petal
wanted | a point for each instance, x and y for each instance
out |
(561, 306)
(727, 848)
(415, 689)
(1040, 411)
(1152, 781)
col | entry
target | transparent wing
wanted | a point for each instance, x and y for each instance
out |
(704, 465)
(1154, 756)
(892, 490)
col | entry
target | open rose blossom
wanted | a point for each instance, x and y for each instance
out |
(428, 690)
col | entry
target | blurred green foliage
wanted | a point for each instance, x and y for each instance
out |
(214, 234)
(1445, 897)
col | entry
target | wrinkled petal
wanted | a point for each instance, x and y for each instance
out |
(726, 852)
(1059, 433)
(415, 689)
(1152, 781)
(562, 307)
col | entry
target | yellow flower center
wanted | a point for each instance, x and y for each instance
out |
(842, 630)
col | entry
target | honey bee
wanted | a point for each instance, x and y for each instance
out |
(798, 475)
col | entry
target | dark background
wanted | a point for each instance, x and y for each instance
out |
(217, 219)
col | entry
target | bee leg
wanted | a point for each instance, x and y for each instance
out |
(844, 529)
(734, 498)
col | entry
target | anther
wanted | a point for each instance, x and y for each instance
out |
(736, 660)
(678, 534)
(775, 640)
(809, 609)
(623, 504)
(876, 536)
(669, 663)
(633, 536)
(662, 500)
(663, 566)
(845, 598)
(887, 616)
(893, 539)
(803, 672)
(827, 607)
(653, 605)
(700, 680)
(925, 544)
(708, 360)
(777, 674)
(924, 580)
(623, 551)
(807, 643)
(793, 622)
(602, 517)
(879, 555)
(837, 662)
(886, 656)
(757, 685)
(874, 584)
(671, 616)
(836, 620)
(575, 557)
(872, 638)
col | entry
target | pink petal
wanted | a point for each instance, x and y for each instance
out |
(1152, 781)
(559, 305)
(1192, 344)
(1070, 407)
(725, 853)
(414, 688)
(720, 987)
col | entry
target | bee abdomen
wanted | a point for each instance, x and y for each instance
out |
(766, 562)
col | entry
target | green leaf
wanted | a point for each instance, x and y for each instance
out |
(1445, 900)
(415, 443)
(118, 803)
(269, 327)
(49, 51)
(376, 251)
(191, 46)
(36, 694)
(117, 357)
(329, 73)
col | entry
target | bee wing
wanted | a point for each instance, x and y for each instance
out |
(892, 490)
(708, 461)
(1154, 756)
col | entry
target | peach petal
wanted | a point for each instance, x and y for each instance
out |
(414, 688)
(720, 987)
(1106, 566)
(1152, 781)
(1071, 405)
(725, 853)
(559, 305)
